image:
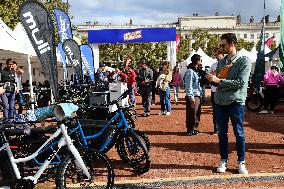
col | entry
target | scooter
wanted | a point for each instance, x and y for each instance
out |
(255, 98)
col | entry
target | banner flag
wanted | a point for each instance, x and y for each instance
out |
(62, 56)
(178, 40)
(269, 42)
(73, 53)
(39, 27)
(88, 60)
(63, 25)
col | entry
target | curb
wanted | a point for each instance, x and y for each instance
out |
(199, 180)
(189, 181)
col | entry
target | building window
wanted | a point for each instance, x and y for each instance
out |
(274, 34)
(252, 35)
(238, 35)
(266, 35)
(245, 35)
(258, 35)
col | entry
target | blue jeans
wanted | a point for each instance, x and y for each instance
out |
(235, 112)
(132, 96)
(176, 91)
(165, 100)
(8, 100)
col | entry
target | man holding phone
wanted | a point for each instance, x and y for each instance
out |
(230, 99)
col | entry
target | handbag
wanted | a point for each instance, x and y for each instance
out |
(224, 72)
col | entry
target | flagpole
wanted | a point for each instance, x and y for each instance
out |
(263, 29)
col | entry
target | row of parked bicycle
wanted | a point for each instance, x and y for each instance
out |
(73, 153)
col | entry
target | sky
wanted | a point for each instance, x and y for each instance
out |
(119, 12)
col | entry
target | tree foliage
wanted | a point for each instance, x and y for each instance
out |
(9, 9)
(183, 49)
(154, 53)
(245, 44)
(200, 38)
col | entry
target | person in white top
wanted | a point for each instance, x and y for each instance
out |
(218, 53)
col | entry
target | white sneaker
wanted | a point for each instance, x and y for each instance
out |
(263, 112)
(271, 112)
(168, 113)
(162, 113)
(242, 169)
(222, 167)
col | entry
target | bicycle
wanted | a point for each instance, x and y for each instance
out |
(67, 169)
(119, 131)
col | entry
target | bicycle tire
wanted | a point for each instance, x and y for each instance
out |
(129, 147)
(144, 138)
(97, 163)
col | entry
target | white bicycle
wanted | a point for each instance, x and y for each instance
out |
(84, 168)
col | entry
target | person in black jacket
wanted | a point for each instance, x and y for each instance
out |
(145, 79)
(203, 82)
(8, 82)
(156, 73)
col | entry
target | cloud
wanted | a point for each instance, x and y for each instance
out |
(165, 11)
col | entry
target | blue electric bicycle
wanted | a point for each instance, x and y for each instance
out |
(132, 146)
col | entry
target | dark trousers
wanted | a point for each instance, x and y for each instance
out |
(193, 112)
(8, 100)
(153, 95)
(146, 94)
(214, 112)
(270, 97)
(235, 112)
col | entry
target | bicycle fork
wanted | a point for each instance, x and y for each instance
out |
(68, 141)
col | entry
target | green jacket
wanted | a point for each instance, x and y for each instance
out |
(234, 88)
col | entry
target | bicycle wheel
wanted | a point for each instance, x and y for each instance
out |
(98, 164)
(144, 139)
(133, 150)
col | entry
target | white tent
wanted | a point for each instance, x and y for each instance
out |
(248, 54)
(23, 39)
(206, 60)
(253, 54)
(8, 41)
(183, 65)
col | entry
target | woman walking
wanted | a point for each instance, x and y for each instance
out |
(164, 89)
(176, 83)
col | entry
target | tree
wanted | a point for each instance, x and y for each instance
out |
(200, 38)
(9, 9)
(183, 50)
(245, 44)
(154, 53)
(212, 44)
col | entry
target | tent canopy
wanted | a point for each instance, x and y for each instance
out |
(183, 65)
(207, 61)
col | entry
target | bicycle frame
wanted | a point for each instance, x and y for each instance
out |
(122, 124)
(64, 140)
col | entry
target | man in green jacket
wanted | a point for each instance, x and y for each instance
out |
(230, 99)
